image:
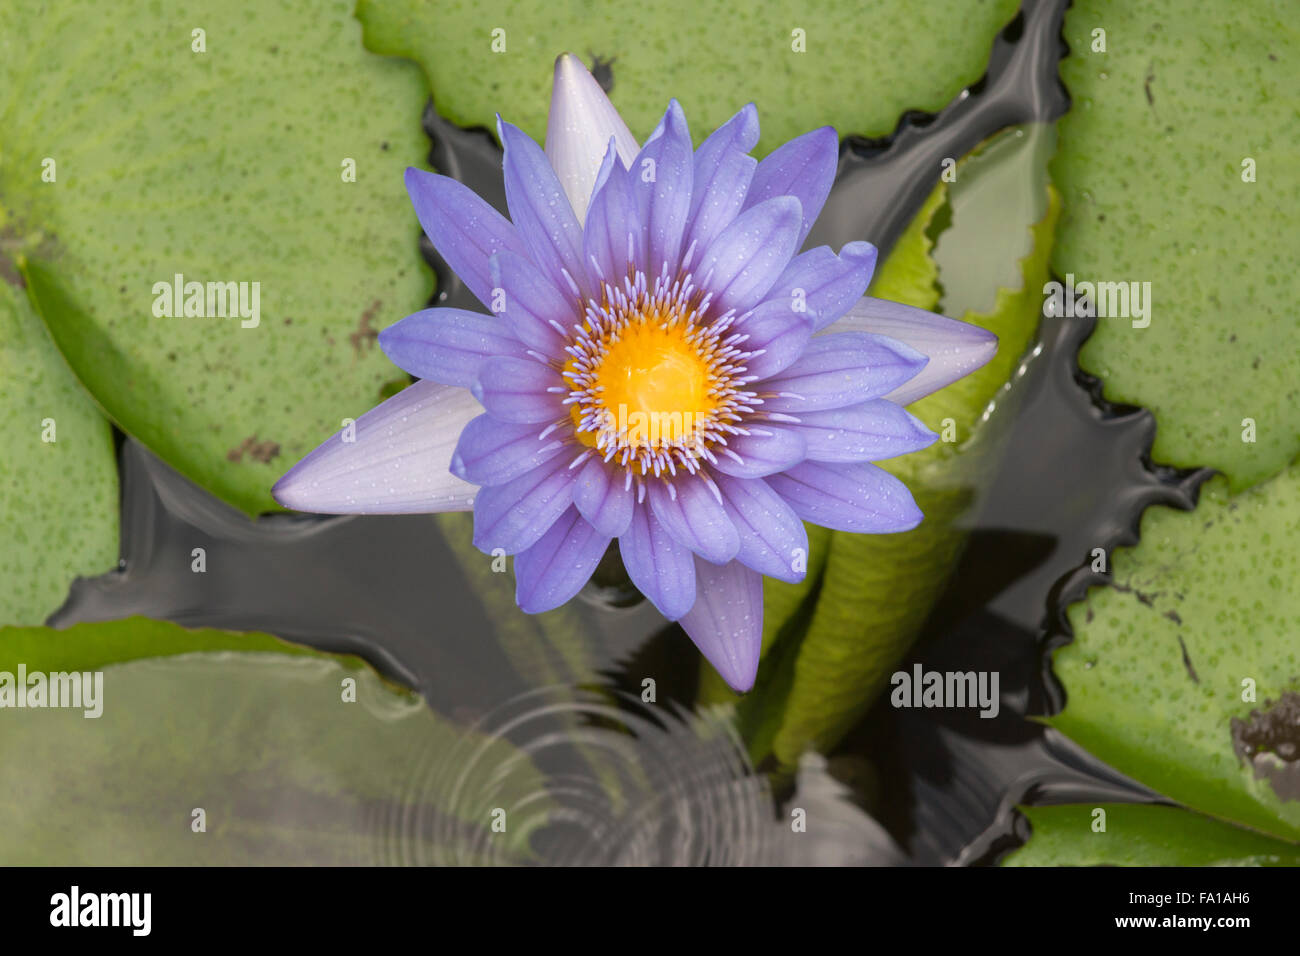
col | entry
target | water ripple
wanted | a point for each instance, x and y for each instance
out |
(578, 777)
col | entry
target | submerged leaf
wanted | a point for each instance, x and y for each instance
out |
(291, 755)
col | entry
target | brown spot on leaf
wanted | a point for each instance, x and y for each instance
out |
(364, 333)
(14, 244)
(1269, 740)
(259, 451)
(9, 245)
(1187, 661)
(9, 272)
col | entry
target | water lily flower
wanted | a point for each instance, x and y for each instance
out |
(661, 366)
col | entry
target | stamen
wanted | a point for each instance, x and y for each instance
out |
(649, 347)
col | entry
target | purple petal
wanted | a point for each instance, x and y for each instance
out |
(822, 286)
(492, 452)
(858, 497)
(955, 349)
(520, 391)
(839, 370)
(868, 431)
(773, 541)
(581, 123)
(693, 515)
(742, 263)
(393, 460)
(780, 334)
(464, 229)
(722, 172)
(612, 227)
(540, 210)
(531, 302)
(514, 516)
(604, 497)
(448, 345)
(803, 168)
(726, 623)
(766, 450)
(559, 564)
(662, 568)
(664, 201)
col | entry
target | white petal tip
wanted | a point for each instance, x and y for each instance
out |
(581, 121)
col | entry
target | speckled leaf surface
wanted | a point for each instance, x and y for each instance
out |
(1151, 171)
(58, 472)
(1143, 835)
(258, 734)
(1182, 673)
(861, 68)
(226, 165)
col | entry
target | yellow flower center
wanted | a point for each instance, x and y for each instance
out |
(654, 385)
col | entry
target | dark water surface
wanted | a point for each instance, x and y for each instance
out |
(399, 592)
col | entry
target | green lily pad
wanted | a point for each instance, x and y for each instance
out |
(484, 58)
(1182, 672)
(58, 474)
(1151, 171)
(261, 736)
(1139, 834)
(228, 164)
(877, 590)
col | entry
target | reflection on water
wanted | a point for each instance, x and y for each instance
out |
(621, 782)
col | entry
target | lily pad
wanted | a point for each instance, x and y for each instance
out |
(1184, 674)
(217, 146)
(1143, 835)
(259, 735)
(1177, 166)
(58, 474)
(859, 69)
(877, 590)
